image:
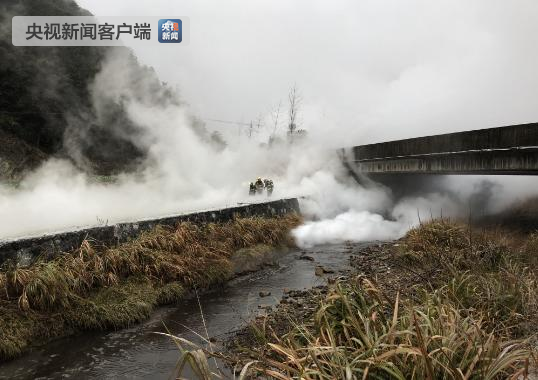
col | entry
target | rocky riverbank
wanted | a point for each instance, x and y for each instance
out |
(445, 300)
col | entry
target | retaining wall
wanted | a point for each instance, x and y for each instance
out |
(24, 251)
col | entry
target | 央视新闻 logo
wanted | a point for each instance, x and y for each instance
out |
(170, 31)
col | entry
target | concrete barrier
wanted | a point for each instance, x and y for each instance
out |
(513, 136)
(25, 250)
(496, 162)
(511, 150)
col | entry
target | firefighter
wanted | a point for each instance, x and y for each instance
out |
(269, 186)
(252, 190)
(259, 185)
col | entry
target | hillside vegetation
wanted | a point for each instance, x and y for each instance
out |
(45, 102)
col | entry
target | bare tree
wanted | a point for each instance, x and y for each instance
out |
(275, 115)
(250, 130)
(259, 123)
(294, 101)
(254, 126)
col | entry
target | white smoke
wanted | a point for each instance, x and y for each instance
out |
(348, 226)
(184, 173)
(345, 212)
(408, 74)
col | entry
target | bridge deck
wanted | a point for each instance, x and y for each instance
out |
(503, 150)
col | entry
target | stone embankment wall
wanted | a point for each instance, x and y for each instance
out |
(25, 250)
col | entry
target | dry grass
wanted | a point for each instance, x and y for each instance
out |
(493, 270)
(357, 333)
(96, 288)
(474, 318)
(530, 251)
(454, 246)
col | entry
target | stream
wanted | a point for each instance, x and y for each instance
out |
(139, 353)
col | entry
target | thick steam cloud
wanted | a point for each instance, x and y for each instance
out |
(184, 171)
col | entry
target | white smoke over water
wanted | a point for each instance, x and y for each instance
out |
(404, 88)
(350, 225)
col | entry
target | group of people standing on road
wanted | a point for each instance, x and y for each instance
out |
(259, 185)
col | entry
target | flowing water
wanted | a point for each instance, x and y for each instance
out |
(139, 353)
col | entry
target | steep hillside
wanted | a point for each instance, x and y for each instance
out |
(45, 104)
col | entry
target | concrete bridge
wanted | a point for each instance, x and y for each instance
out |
(505, 150)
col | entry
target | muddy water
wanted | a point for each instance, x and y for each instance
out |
(138, 353)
